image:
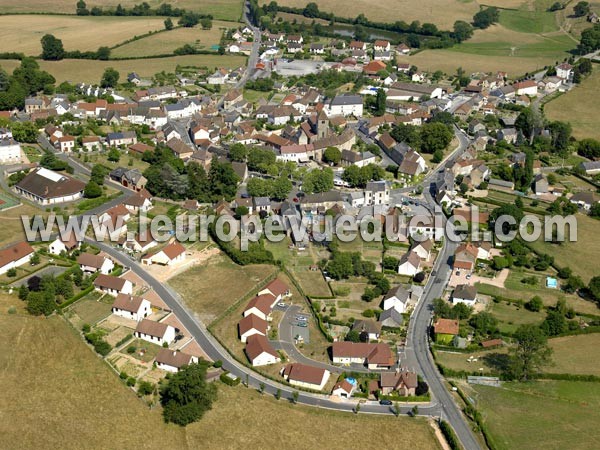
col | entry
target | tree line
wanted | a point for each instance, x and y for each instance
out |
(141, 9)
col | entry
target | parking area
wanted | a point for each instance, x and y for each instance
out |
(299, 68)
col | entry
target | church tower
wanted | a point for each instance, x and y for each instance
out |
(322, 125)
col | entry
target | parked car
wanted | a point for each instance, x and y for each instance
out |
(385, 402)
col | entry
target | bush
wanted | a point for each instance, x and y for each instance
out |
(11, 273)
(145, 388)
(228, 381)
(130, 381)
(218, 364)
(86, 328)
(131, 349)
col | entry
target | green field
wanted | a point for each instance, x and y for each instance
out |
(511, 316)
(579, 107)
(76, 71)
(548, 414)
(528, 19)
(572, 354)
(219, 9)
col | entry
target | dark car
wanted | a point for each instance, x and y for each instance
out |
(385, 402)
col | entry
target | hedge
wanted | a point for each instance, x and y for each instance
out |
(450, 435)
(229, 381)
(76, 297)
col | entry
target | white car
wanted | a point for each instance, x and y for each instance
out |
(281, 304)
(301, 318)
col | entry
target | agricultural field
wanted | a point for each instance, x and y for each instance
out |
(543, 414)
(82, 403)
(576, 255)
(168, 41)
(220, 9)
(12, 226)
(578, 107)
(209, 289)
(76, 71)
(572, 354)
(23, 33)
(443, 13)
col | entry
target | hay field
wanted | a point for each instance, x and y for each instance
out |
(572, 354)
(76, 71)
(579, 107)
(23, 33)
(168, 41)
(220, 9)
(443, 13)
(56, 391)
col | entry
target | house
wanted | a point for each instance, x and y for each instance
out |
(232, 97)
(130, 178)
(139, 202)
(564, 71)
(508, 135)
(590, 167)
(10, 151)
(66, 143)
(113, 222)
(377, 193)
(403, 49)
(425, 227)
(404, 382)
(584, 199)
(412, 164)
(60, 245)
(260, 352)
(113, 285)
(357, 45)
(131, 307)
(445, 330)
(464, 293)
(381, 46)
(343, 389)
(374, 356)
(47, 187)
(95, 263)
(410, 264)
(154, 332)
(261, 306)
(422, 248)
(172, 253)
(317, 49)
(352, 158)
(368, 328)
(121, 138)
(501, 185)
(345, 105)
(276, 288)
(373, 68)
(305, 376)
(15, 255)
(294, 47)
(173, 360)
(91, 143)
(180, 148)
(465, 257)
(527, 87)
(540, 184)
(396, 298)
(251, 325)
(142, 242)
(391, 318)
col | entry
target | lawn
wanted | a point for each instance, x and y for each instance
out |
(529, 20)
(102, 158)
(572, 354)
(23, 33)
(167, 42)
(548, 414)
(82, 404)
(576, 255)
(443, 13)
(93, 309)
(11, 224)
(209, 289)
(459, 361)
(220, 9)
(579, 107)
(74, 70)
(512, 316)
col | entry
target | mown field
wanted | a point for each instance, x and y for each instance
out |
(220, 9)
(579, 107)
(545, 414)
(167, 42)
(572, 354)
(11, 224)
(23, 33)
(76, 71)
(57, 392)
(209, 289)
(443, 13)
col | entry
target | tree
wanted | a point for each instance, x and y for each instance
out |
(92, 190)
(380, 100)
(238, 152)
(110, 78)
(435, 137)
(25, 132)
(581, 9)
(531, 352)
(332, 155)
(168, 23)
(594, 288)
(589, 148)
(462, 30)
(103, 53)
(484, 323)
(535, 304)
(35, 259)
(98, 173)
(589, 41)
(295, 397)
(186, 395)
(486, 17)
(12, 272)
(52, 48)
(189, 19)
(114, 154)
(353, 336)
(81, 9)
(206, 23)
(311, 10)
(317, 181)
(261, 387)
(281, 188)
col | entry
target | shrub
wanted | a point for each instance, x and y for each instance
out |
(218, 364)
(130, 381)
(12, 310)
(131, 349)
(86, 328)
(145, 388)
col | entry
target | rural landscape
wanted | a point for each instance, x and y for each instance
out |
(371, 227)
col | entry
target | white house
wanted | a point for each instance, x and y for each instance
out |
(377, 193)
(345, 105)
(60, 245)
(47, 187)
(113, 285)
(173, 360)
(464, 293)
(171, 254)
(131, 307)
(10, 151)
(155, 332)
(410, 264)
(396, 298)
(423, 248)
(527, 87)
(276, 288)
(260, 352)
(343, 389)
(564, 71)
(261, 306)
(306, 376)
(425, 227)
(95, 263)
(251, 325)
(66, 143)
(14, 256)
(374, 355)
